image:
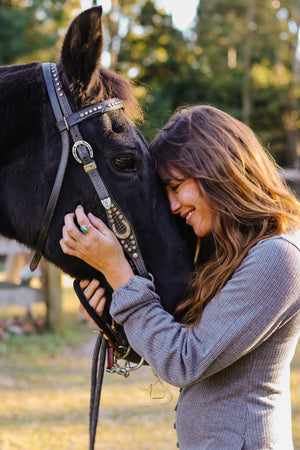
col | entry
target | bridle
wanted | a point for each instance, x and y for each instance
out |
(67, 123)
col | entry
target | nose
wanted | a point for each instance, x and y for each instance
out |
(173, 201)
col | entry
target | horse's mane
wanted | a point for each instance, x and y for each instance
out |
(118, 86)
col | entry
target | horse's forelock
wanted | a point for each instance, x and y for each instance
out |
(107, 84)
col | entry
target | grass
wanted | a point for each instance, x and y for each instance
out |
(45, 389)
(295, 394)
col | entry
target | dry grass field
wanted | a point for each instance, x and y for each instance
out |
(44, 392)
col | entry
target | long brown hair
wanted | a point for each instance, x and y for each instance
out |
(240, 181)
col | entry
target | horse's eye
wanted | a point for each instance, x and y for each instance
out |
(125, 163)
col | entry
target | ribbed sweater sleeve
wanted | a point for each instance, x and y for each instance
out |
(261, 296)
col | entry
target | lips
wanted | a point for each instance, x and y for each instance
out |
(188, 215)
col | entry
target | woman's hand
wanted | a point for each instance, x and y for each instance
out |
(98, 247)
(95, 295)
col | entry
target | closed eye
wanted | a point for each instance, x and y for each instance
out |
(175, 187)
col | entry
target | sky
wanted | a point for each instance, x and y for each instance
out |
(183, 12)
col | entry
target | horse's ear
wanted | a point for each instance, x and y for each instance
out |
(82, 47)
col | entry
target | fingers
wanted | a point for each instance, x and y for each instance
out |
(84, 283)
(99, 224)
(95, 244)
(89, 288)
(94, 294)
(70, 235)
(83, 219)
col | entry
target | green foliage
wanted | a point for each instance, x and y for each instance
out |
(28, 27)
(158, 53)
(229, 25)
(240, 57)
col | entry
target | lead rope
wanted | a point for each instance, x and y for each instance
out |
(97, 375)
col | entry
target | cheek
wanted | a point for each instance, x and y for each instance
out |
(205, 217)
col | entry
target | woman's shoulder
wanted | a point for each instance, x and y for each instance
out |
(273, 265)
(289, 240)
(282, 250)
(293, 237)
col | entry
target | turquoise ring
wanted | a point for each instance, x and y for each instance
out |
(85, 228)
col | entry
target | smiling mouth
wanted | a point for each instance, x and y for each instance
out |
(188, 216)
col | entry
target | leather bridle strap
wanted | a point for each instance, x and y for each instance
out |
(59, 175)
(67, 122)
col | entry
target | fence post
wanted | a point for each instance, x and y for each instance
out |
(53, 293)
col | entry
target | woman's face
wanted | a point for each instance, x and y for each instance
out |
(186, 199)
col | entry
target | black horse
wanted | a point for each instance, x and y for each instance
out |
(30, 153)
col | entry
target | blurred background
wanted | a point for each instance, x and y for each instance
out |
(242, 56)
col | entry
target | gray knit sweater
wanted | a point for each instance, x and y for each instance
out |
(234, 367)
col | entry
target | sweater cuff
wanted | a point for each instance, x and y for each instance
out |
(130, 297)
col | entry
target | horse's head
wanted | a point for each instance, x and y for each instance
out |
(28, 170)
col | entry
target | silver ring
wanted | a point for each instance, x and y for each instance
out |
(85, 228)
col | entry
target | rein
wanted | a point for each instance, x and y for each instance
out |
(67, 123)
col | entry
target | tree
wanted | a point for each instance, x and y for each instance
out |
(246, 53)
(157, 57)
(30, 27)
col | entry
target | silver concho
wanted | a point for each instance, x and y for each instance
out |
(106, 202)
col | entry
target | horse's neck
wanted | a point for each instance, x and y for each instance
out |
(21, 137)
(21, 100)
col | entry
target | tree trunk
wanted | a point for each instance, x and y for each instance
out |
(53, 298)
(246, 100)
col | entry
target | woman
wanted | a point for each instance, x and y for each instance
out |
(240, 324)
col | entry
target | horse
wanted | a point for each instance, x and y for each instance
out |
(30, 157)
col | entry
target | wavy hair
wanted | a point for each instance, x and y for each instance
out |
(240, 181)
